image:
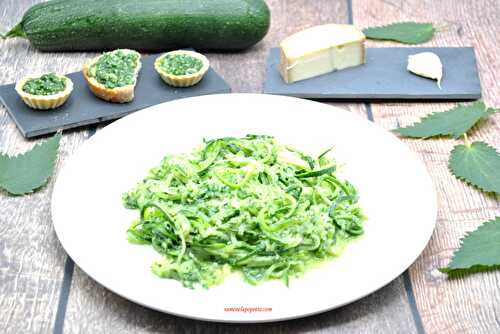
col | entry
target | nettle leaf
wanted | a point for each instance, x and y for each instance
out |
(479, 251)
(29, 171)
(454, 122)
(404, 32)
(491, 111)
(477, 164)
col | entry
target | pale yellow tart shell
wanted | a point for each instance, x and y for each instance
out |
(122, 94)
(44, 102)
(187, 80)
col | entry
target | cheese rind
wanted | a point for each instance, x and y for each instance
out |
(319, 50)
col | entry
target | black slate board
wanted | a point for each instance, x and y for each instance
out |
(84, 108)
(384, 76)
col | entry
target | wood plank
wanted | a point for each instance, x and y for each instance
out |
(378, 316)
(31, 259)
(466, 305)
(93, 309)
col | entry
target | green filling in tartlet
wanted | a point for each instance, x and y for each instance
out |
(180, 64)
(115, 69)
(47, 84)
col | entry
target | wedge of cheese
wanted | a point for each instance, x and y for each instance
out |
(319, 50)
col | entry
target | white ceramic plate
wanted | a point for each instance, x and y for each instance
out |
(396, 194)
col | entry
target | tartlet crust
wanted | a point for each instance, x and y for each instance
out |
(44, 102)
(121, 94)
(187, 80)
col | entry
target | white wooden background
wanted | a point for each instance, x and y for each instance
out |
(41, 291)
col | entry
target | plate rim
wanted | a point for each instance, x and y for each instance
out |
(80, 149)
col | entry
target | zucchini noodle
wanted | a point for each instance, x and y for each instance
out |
(248, 205)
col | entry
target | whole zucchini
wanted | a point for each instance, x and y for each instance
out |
(76, 25)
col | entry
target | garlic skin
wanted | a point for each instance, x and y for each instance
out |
(426, 64)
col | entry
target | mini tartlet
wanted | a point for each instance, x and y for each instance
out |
(193, 75)
(121, 91)
(46, 99)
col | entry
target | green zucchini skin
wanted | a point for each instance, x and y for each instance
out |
(149, 25)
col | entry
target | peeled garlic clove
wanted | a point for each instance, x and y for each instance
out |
(426, 64)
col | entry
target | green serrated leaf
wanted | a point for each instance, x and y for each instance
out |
(454, 122)
(477, 164)
(479, 251)
(491, 111)
(26, 172)
(404, 32)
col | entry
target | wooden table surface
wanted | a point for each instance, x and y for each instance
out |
(42, 291)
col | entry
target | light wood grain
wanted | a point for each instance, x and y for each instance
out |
(468, 305)
(93, 309)
(31, 260)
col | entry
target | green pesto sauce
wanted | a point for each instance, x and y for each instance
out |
(180, 64)
(47, 84)
(249, 205)
(115, 69)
